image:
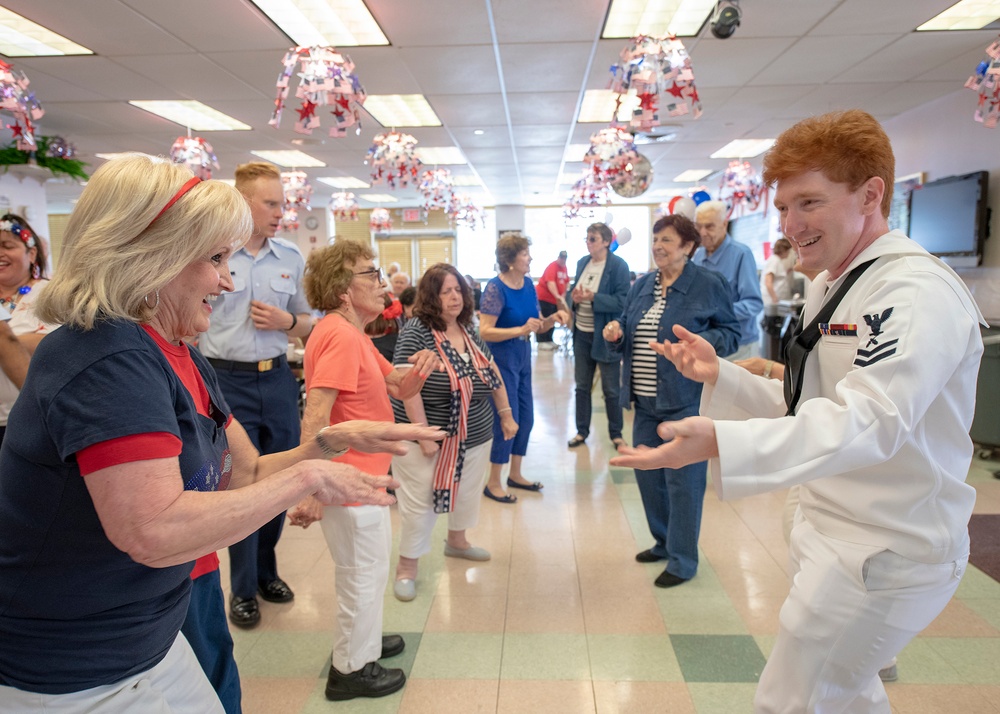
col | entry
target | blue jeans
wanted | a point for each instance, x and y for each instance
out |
(267, 406)
(611, 377)
(207, 632)
(672, 498)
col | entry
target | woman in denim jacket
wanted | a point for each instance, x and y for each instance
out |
(678, 292)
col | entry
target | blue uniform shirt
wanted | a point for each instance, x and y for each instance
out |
(273, 276)
(735, 262)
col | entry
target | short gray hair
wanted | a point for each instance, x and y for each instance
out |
(121, 245)
(718, 208)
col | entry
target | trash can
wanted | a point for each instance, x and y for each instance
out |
(779, 319)
(985, 429)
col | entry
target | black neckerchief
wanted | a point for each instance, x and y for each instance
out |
(804, 339)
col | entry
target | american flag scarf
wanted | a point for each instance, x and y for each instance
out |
(451, 457)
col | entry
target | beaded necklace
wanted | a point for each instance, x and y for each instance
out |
(10, 303)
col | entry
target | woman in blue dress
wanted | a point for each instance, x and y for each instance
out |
(508, 314)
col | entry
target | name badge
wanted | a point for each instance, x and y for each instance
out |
(835, 330)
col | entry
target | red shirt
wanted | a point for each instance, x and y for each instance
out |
(557, 274)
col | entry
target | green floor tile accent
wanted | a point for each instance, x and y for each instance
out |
(977, 584)
(621, 476)
(287, 654)
(636, 658)
(978, 658)
(986, 608)
(722, 698)
(449, 655)
(718, 658)
(685, 610)
(921, 663)
(545, 656)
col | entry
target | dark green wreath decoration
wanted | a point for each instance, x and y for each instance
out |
(10, 155)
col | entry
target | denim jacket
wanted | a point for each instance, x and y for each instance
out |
(609, 300)
(699, 301)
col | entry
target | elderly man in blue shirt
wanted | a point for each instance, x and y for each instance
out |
(735, 262)
(246, 344)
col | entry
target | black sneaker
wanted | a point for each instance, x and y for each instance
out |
(372, 680)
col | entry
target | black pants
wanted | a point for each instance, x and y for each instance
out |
(547, 309)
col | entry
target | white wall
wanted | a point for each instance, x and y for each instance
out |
(941, 139)
(25, 197)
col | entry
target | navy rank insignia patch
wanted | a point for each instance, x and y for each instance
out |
(880, 350)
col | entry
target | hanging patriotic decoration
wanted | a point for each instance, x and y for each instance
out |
(741, 186)
(589, 191)
(344, 206)
(59, 148)
(462, 210)
(651, 66)
(17, 100)
(195, 153)
(612, 151)
(437, 188)
(326, 79)
(298, 195)
(393, 159)
(380, 221)
(986, 81)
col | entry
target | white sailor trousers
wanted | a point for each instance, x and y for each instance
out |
(850, 610)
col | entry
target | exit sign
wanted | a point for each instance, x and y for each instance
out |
(411, 215)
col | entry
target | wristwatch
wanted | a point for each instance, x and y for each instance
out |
(327, 450)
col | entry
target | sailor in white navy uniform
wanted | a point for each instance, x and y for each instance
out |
(878, 436)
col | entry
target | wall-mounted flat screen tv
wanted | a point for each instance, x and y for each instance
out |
(949, 217)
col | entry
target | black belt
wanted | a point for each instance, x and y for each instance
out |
(265, 365)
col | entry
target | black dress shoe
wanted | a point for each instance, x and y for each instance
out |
(668, 580)
(648, 556)
(276, 591)
(392, 645)
(372, 680)
(243, 612)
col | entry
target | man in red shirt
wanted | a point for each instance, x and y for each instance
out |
(551, 291)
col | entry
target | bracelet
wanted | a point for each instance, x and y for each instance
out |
(327, 450)
(767, 369)
(295, 321)
(505, 409)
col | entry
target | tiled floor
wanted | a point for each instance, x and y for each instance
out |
(564, 620)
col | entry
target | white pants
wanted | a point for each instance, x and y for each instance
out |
(177, 685)
(415, 473)
(360, 541)
(851, 609)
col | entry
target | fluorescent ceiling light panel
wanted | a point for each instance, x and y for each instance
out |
(20, 37)
(692, 175)
(343, 182)
(684, 18)
(440, 155)
(377, 198)
(965, 15)
(393, 110)
(465, 181)
(340, 23)
(576, 152)
(599, 106)
(743, 149)
(191, 114)
(289, 158)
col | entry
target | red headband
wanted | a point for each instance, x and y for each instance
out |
(192, 182)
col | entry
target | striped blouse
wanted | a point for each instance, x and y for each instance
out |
(643, 357)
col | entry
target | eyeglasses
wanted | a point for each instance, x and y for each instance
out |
(373, 271)
(594, 239)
